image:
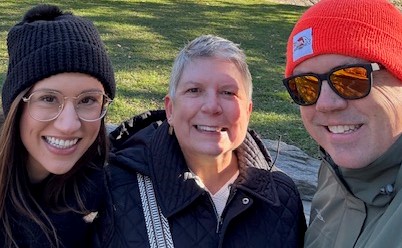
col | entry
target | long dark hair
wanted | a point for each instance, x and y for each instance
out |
(14, 180)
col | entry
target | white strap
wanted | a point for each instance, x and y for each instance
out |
(157, 225)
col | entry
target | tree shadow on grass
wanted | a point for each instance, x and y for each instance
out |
(146, 36)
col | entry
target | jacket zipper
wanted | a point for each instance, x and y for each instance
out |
(219, 218)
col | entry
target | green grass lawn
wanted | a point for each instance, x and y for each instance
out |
(143, 37)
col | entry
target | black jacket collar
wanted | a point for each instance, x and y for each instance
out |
(161, 159)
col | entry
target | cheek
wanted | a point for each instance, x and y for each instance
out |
(93, 129)
(246, 113)
(389, 103)
(306, 114)
(237, 109)
(183, 110)
(26, 125)
(239, 115)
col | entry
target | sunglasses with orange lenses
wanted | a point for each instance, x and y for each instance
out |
(348, 81)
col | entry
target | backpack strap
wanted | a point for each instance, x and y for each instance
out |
(157, 225)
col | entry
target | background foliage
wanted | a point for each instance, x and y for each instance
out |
(143, 37)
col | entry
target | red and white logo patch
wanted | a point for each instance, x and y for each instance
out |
(302, 44)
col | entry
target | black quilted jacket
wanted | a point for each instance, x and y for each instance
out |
(263, 210)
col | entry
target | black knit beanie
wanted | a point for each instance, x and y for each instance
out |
(48, 42)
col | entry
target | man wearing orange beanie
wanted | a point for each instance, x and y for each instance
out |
(344, 69)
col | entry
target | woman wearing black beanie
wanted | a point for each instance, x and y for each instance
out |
(59, 84)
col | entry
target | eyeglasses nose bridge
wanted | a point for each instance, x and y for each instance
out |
(325, 77)
(63, 104)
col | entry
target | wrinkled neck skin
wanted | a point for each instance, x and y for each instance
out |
(214, 172)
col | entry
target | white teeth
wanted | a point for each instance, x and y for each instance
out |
(209, 129)
(59, 143)
(343, 128)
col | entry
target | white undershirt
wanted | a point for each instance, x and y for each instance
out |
(221, 196)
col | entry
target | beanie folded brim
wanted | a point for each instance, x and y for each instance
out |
(368, 30)
(350, 32)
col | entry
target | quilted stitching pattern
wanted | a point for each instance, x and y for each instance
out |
(264, 208)
(258, 224)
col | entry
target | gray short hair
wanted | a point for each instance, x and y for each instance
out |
(210, 46)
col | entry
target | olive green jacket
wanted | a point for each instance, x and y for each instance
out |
(360, 207)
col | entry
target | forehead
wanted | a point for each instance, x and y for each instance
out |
(324, 63)
(211, 69)
(69, 82)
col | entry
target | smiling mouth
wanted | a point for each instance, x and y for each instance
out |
(343, 129)
(210, 128)
(60, 143)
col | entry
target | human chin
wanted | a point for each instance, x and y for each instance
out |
(208, 148)
(62, 167)
(62, 163)
(351, 158)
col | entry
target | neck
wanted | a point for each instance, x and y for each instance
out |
(215, 172)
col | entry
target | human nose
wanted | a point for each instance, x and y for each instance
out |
(328, 100)
(211, 103)
(68, 120)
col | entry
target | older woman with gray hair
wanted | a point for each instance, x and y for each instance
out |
(193, 175)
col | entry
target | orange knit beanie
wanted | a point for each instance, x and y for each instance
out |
(366, 29)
